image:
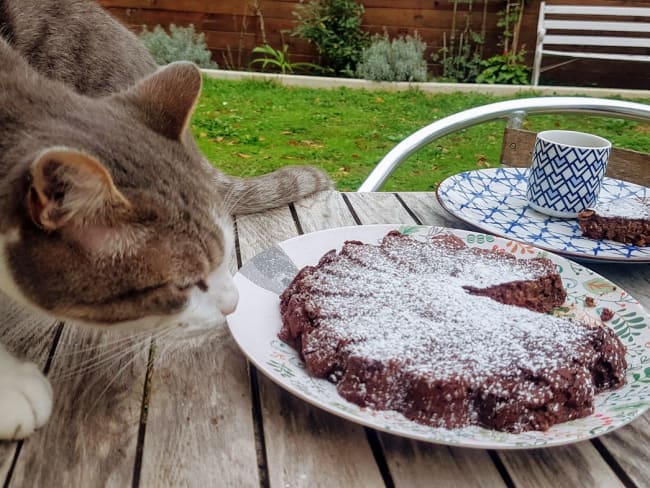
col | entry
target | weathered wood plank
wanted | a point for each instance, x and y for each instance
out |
(91, 438)
(28, 336)
(199, 424)
(427, 209)
(630, 447)
(384, 208)
(307, 447)
(415, 464)
(324, 210)
(577, 465)
(257, 232)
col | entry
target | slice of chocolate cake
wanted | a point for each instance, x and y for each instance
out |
(623, 220)
(448, 335)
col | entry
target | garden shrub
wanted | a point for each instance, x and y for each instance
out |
(461, 59)
(401, 59)
(334, 28)
(505, 69)
(181, 44)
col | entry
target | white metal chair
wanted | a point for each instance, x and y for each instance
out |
(515, 112)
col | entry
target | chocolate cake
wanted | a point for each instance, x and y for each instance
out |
(624, 220)
(448, 335)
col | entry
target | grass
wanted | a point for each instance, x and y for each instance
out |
(251, 127)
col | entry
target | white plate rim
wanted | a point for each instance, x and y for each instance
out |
(356, 232)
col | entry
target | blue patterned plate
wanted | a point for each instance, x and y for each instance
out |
(494, 200)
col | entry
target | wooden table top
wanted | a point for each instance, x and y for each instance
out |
(153, 412)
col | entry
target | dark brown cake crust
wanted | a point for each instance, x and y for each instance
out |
(620, 229)
(626, 220)
(463, 388)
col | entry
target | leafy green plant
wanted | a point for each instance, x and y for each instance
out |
(181, 44)
(401, 59)
(279, 60)
(510, 67)
(461, 60)
(461, 53)
(505, 69)
(334, 28)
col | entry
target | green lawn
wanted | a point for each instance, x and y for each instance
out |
(252, 127)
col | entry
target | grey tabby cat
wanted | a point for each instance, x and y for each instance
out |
(109, 215)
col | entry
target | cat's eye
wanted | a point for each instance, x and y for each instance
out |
(201, 285)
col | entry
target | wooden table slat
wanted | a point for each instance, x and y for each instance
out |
(415, 464)
(630, 448)
(325, 210)
(27, 336)
(199, 421)
(92, 438)
(384, 208)
(577, 465)
(428, 211)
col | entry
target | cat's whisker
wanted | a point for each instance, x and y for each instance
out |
(104, 351)
(113, 378)
(95, 362)
(115, 375)
(117, 343)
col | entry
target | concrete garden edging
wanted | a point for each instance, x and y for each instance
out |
(429, 87)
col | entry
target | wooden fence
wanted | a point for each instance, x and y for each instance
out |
(234, 27)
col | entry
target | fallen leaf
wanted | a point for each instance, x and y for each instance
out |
(244, 156)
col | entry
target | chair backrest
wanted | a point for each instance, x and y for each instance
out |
(626, 165)
(514, 111)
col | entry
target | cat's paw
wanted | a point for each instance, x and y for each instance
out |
(25, 400)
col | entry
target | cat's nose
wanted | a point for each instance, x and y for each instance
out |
(222, 289)
(227, 300)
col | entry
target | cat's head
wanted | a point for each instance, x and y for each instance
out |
(111, 218)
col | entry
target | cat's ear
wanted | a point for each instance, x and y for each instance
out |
(68, 186)
(166, 99)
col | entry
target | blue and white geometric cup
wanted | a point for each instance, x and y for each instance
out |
(567, 172)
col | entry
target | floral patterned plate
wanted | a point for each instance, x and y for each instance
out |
(257, 321)
(494, 200)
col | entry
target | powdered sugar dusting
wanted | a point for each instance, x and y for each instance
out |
(395, 327)
(406, 314)
(631, 208)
